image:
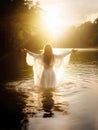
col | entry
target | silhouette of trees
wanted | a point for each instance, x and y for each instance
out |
(84, 35)
(19, 25)
(96, 21)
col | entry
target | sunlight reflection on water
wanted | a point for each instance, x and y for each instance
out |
(76, 95)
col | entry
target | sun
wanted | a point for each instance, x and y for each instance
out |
(53, 21)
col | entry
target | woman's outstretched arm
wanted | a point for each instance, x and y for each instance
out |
(31, 53)
(66, 53)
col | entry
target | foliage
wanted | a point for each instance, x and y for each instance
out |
(84, 35)
(21, 26)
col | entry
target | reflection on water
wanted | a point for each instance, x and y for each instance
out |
(73, 105)
(47, 102)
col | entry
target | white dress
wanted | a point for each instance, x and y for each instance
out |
(46, 76)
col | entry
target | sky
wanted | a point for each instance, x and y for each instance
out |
(72, 12)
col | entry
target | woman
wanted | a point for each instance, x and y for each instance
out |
(45, 66)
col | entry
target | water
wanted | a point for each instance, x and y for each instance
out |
(74, 102)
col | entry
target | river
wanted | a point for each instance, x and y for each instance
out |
(74, 102)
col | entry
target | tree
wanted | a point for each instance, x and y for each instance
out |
(96, 21)
(19, 17)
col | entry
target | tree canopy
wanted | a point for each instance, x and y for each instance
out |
(82, 36)
(21, 26)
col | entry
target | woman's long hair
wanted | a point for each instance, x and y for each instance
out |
(48, 54)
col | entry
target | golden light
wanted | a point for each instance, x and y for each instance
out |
(54, 22)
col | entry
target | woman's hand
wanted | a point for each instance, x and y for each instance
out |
(74, 50)
(24, 50)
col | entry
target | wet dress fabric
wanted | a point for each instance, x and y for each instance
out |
(46, 76)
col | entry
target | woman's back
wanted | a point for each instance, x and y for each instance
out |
(46, 66)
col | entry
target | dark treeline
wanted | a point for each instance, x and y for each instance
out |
(21, 26)
(84, 35)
